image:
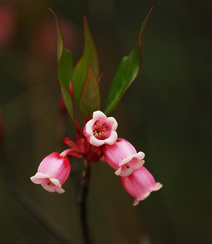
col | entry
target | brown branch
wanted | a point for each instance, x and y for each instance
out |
(83, 198)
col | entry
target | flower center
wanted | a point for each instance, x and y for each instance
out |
(101, 129)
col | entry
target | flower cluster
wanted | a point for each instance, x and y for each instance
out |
(99, 141)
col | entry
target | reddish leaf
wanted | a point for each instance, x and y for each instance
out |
(90, 96)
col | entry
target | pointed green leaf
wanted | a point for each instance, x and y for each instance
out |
(90, 96)
(127, 72)
(89, 56)
(59, 37)
(64, 68)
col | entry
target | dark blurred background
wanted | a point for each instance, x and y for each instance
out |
(166, 113)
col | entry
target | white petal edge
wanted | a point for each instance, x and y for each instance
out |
(112, 138)
(99, 115)
(95, 142)
(38, 176)
(113, 122)
(157, 187)
(139, 155)
(89, 127)
(118, 172)
(60, 190)
(136, 202)
(55, 182)
(125, 172)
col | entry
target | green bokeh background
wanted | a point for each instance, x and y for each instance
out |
(166, 113)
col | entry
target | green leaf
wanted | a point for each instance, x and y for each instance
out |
(127, 71)
(89, 56)
(64, 68)
(59, 37)
(90, 96)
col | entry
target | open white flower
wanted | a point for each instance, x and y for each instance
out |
(101, 129)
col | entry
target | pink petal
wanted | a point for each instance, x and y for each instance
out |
(49, 188)
(53, 172)
(123, 157)
(140, 184)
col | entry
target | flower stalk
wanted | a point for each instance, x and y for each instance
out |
(86, 175)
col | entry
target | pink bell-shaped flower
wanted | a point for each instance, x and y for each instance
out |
(101, 129)
(53, 172)
(123, 157)
(140, 184)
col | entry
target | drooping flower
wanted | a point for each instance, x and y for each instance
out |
(101, 129)
(123, 157)
(140, 184)
(53, 172)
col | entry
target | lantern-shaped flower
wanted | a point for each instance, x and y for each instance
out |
(140, 184)
(101, 129)
(123, 157)
(53, 172)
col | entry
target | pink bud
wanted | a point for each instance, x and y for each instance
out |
(101, 129)
(140, 184)
(123, 157)
(53, 172)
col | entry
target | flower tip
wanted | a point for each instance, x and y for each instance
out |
(145, 196)
(140, 155)
(136, 202)
(118, 171)
(60, 190)
(158, 186)
(99, 114)
(33, 179)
